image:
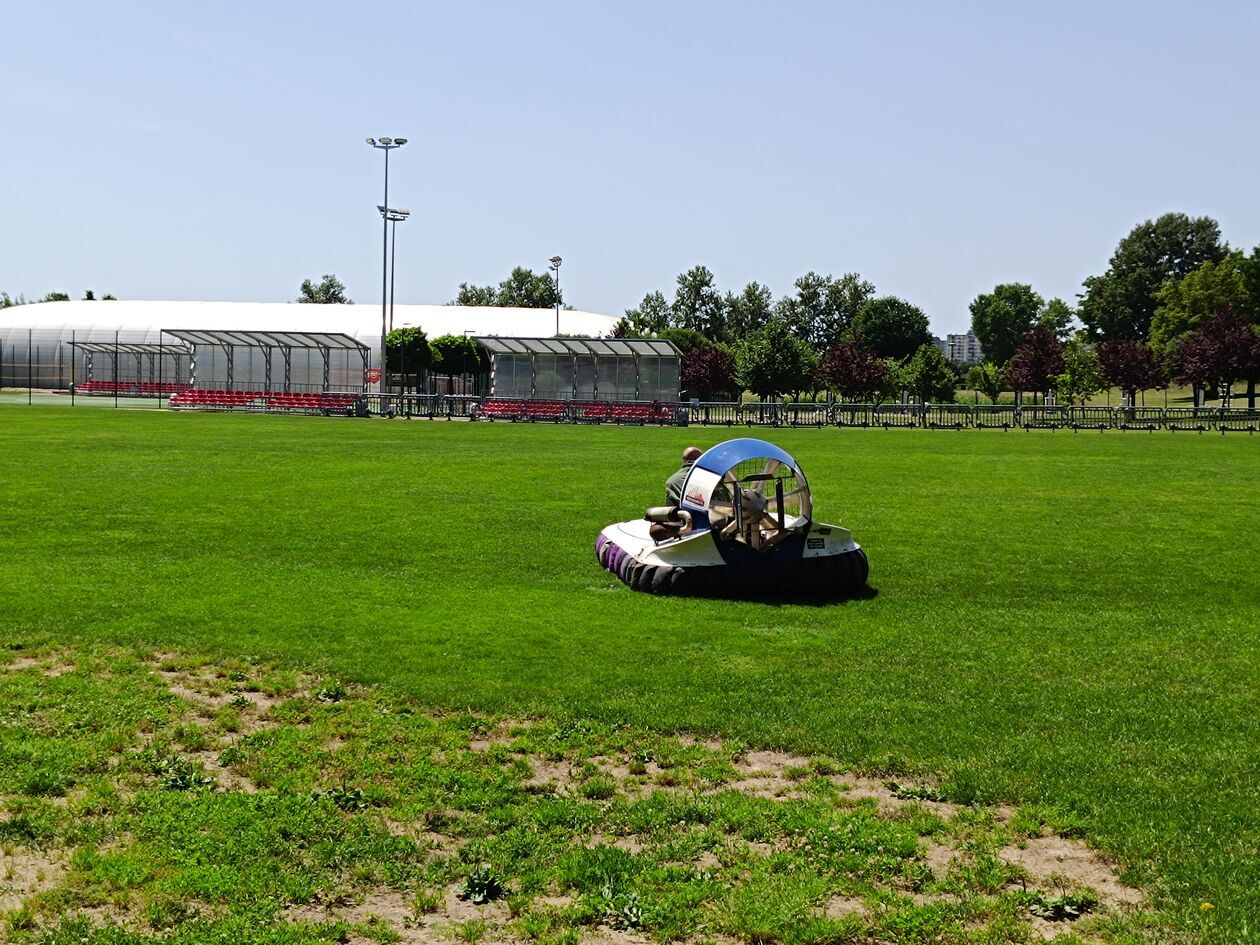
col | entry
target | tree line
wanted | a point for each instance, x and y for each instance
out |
(1176, 303)
(8, 301)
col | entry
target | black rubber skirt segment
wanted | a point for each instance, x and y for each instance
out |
(826, 576)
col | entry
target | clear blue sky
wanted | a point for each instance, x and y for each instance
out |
(179, 151)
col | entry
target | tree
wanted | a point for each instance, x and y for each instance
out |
(1250, 266)
(774, 361)
(1079, 378)
(483, 295)
(407, 352)
(329, 291)
(685, 340)
(822, 309)
(852, 370)
(1222, 350)
(748, 311)
(55, 297)
(523, 288)
(896, 380)
(708, 371)
(1121, 302)
(1129, 365)
(650, 317)
(892, 326)
(929, 376)
(1000, 319)
(1188, 302)
(1036, 362)
(698, 305)
(1057, 316)
(455, 354)
(89, 296)
(987, 379)
(8, 301)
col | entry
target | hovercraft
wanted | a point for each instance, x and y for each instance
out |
(744, 528)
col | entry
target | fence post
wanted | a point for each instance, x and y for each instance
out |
(30, 341)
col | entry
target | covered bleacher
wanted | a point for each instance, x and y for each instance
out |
(128, 378)
(591, 380)
(232, 382)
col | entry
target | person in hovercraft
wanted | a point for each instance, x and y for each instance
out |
(674, 484)
(662, 531)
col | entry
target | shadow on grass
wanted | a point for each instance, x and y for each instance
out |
(864, 593)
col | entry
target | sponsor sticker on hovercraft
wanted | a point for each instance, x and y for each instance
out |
(815, 543)
(695, 497)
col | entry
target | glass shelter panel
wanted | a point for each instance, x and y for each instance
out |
(512, 376)
(585, 377)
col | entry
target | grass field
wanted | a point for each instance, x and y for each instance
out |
(1067, 623)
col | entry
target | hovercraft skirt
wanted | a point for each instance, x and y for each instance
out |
(824, 576)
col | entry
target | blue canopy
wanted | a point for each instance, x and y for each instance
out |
(731, 453)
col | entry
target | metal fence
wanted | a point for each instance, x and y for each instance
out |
(117, 380)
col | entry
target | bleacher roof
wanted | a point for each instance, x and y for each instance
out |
(623, 347)
(266, 339)
(109, 347)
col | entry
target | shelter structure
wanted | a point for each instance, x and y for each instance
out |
(583, 369)
(161, 377)
(351, 357)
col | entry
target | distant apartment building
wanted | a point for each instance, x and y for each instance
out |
(962, 349)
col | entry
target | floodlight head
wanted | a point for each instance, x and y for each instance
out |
(372, 142)
(400, 141)
(387, 141)
(555, 262)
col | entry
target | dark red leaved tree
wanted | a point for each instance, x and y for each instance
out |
(852, 370)
(1222, 350)
(707, 372)
(1036, 362)
(1131, 366)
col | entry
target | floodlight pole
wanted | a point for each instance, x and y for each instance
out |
(392, 216)
(393, 255)
(386, 145)
(555, 268)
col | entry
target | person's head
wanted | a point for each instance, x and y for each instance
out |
(691, 454)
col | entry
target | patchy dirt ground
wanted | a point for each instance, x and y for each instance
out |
(439, 828)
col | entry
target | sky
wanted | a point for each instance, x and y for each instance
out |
(217, 151)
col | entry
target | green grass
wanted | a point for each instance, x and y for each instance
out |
(1064, 621)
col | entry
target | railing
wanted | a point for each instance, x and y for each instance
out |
(896, 415)
(769, 413)
(852, 415)
(1244, 420)
(888, 416)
